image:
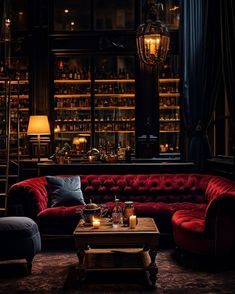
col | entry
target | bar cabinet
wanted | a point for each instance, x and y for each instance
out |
(95, 98)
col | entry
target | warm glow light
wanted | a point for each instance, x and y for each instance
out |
(96, 223)
(66, 11)
(82, 140)
(152, 37)
(84, 135)
(57, 129)
(38, 125)
(76, 141)
(152, 45)
(132, 221)
(79, 140)
(72, 23)
(80, 143)
(174, 8)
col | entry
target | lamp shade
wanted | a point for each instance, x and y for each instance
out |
(82, 140)
(38, 125)
(79, 140)
(76, 141)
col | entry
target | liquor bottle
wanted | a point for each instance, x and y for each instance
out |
(70, 75)
(116, 214)
(60, 70)
(128, 154)
(2, 68)
(128, 211)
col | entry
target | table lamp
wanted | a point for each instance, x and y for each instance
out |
(80, 143)
(76, 143)
(38, 125)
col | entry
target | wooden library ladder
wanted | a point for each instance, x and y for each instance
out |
(9, 171)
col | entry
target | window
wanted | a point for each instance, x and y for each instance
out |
(108, 15)
(114, 15)
(71, 15)
(19, 15)
(171, 13)
(220, 130)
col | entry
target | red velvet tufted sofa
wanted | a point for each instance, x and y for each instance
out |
(191, 207)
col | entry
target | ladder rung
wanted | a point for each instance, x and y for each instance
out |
(8, 146)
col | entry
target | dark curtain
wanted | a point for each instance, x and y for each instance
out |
(202, 74)
(227, 14)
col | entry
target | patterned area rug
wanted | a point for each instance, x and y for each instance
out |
(56, 272)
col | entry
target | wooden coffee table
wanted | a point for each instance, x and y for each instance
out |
(144, 236)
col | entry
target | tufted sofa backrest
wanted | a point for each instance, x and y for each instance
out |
(145, 188)
(33, 193)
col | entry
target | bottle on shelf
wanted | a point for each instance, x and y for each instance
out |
(117, 213)
(2, 69)
(128, 154)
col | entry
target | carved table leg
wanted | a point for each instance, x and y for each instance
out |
(81, 265)
(152, 268)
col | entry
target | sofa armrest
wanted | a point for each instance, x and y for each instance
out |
(218, 186)
(220, 211)
(28, 197)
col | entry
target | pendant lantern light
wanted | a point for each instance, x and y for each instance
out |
(152, 37)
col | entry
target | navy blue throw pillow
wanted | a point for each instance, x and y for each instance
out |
(65, 191)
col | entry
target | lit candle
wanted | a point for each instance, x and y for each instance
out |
(147, 46)
(158, 40)
(132, 221)
(152, 46)
(96, 223)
